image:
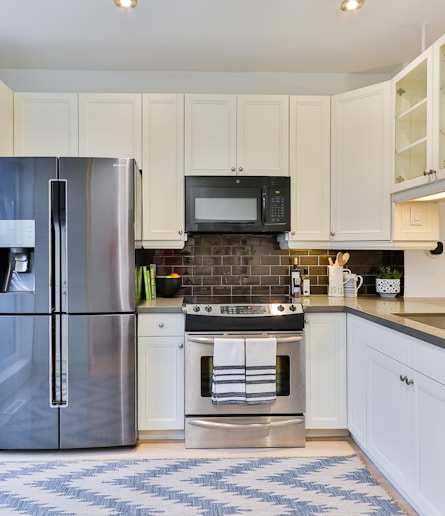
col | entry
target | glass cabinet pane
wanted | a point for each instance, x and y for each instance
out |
(411, 124)
(442, 109)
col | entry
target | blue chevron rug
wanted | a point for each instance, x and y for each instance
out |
(211, 487)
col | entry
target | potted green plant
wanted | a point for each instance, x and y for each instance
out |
(387, 281)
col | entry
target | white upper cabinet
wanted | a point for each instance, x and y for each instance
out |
(163, 172)
(6, 120)
(110, 125)
(45, 124)
(237, 135)
(419, 124)
(309, 163)
(360, 162)
(412, 123)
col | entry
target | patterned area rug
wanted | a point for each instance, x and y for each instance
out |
(211, 487)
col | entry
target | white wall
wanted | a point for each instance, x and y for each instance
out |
(424, 272)
(85, 81)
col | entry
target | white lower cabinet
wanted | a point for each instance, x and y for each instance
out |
(160, 374)
(325, 335)
(390, 418)
(356, 377)
(405, 410)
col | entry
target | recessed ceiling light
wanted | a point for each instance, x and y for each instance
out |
(351, 5)
(126, 4)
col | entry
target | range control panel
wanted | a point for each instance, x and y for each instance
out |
(244, 310)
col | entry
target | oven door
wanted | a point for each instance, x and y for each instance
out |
(290, 379)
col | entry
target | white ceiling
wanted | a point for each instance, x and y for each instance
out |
(307, 36)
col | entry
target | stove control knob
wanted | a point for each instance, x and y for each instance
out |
(292, 308)
(281, 308)
(196, 308)
(208, 308)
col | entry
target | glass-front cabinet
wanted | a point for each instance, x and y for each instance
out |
(419, 122)
(439, 125)
(412, 124)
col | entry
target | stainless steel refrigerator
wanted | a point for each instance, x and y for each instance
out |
(67, 303)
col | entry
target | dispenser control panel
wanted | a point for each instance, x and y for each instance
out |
(17, 233)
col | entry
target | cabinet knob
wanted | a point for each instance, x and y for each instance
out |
(180, 345)
(332, 233)
(409, 382)
(233, 169)
(425, 172)
(180, 232)
(403, 378)
(240, 169)
(161, 325)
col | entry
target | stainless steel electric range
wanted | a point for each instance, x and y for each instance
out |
(277, 423)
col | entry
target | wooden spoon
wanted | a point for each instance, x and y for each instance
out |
(346, 257)
(331, 262)
(339, 259)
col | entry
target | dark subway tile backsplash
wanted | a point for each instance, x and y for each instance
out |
(213, 266)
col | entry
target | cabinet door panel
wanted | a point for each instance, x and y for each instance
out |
(110, 125)
(360, 199)
(45, 124)
(310, 167)
(356, 367)
(263, 135)
(390, 433)
(326, 371)
(163, 171)
(430, 421)
(210, 134)
(160, 383)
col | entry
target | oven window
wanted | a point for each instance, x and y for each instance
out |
(283, 376)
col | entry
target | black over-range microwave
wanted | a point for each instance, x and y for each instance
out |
(237, 204)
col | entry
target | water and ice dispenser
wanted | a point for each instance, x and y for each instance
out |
(17, 242)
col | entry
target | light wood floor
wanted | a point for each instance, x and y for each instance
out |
(176, 450)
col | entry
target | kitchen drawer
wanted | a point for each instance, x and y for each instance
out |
(160, 325)
(429, 360)
(389, 342)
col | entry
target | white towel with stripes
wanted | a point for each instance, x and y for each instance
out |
(229, 371)
(261, 370)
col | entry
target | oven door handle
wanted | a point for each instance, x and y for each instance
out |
(248, 426)
(210, 340)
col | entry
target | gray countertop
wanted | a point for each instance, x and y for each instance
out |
(382, 310)
(376, 309)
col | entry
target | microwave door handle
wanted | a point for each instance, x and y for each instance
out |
(263, 206)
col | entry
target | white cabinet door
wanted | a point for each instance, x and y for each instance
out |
(390, 429)
(210, 134)
(429, 420)
(6, 120)
(237, 135)
(310, 166)
(110, 125)
(356, 367)
(160, 383)
(163, 171)
(360, 164)
(326, 371)
(263, 135)
(160, 372)
(45, 124)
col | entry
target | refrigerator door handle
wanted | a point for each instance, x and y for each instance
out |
(58, 244)
(59, 361)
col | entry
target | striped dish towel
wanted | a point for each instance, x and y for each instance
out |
(229, 372)
(261, 370)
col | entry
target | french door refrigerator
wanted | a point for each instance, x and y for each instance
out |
(67, 303)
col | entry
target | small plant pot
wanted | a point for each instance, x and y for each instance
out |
(387, 287)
